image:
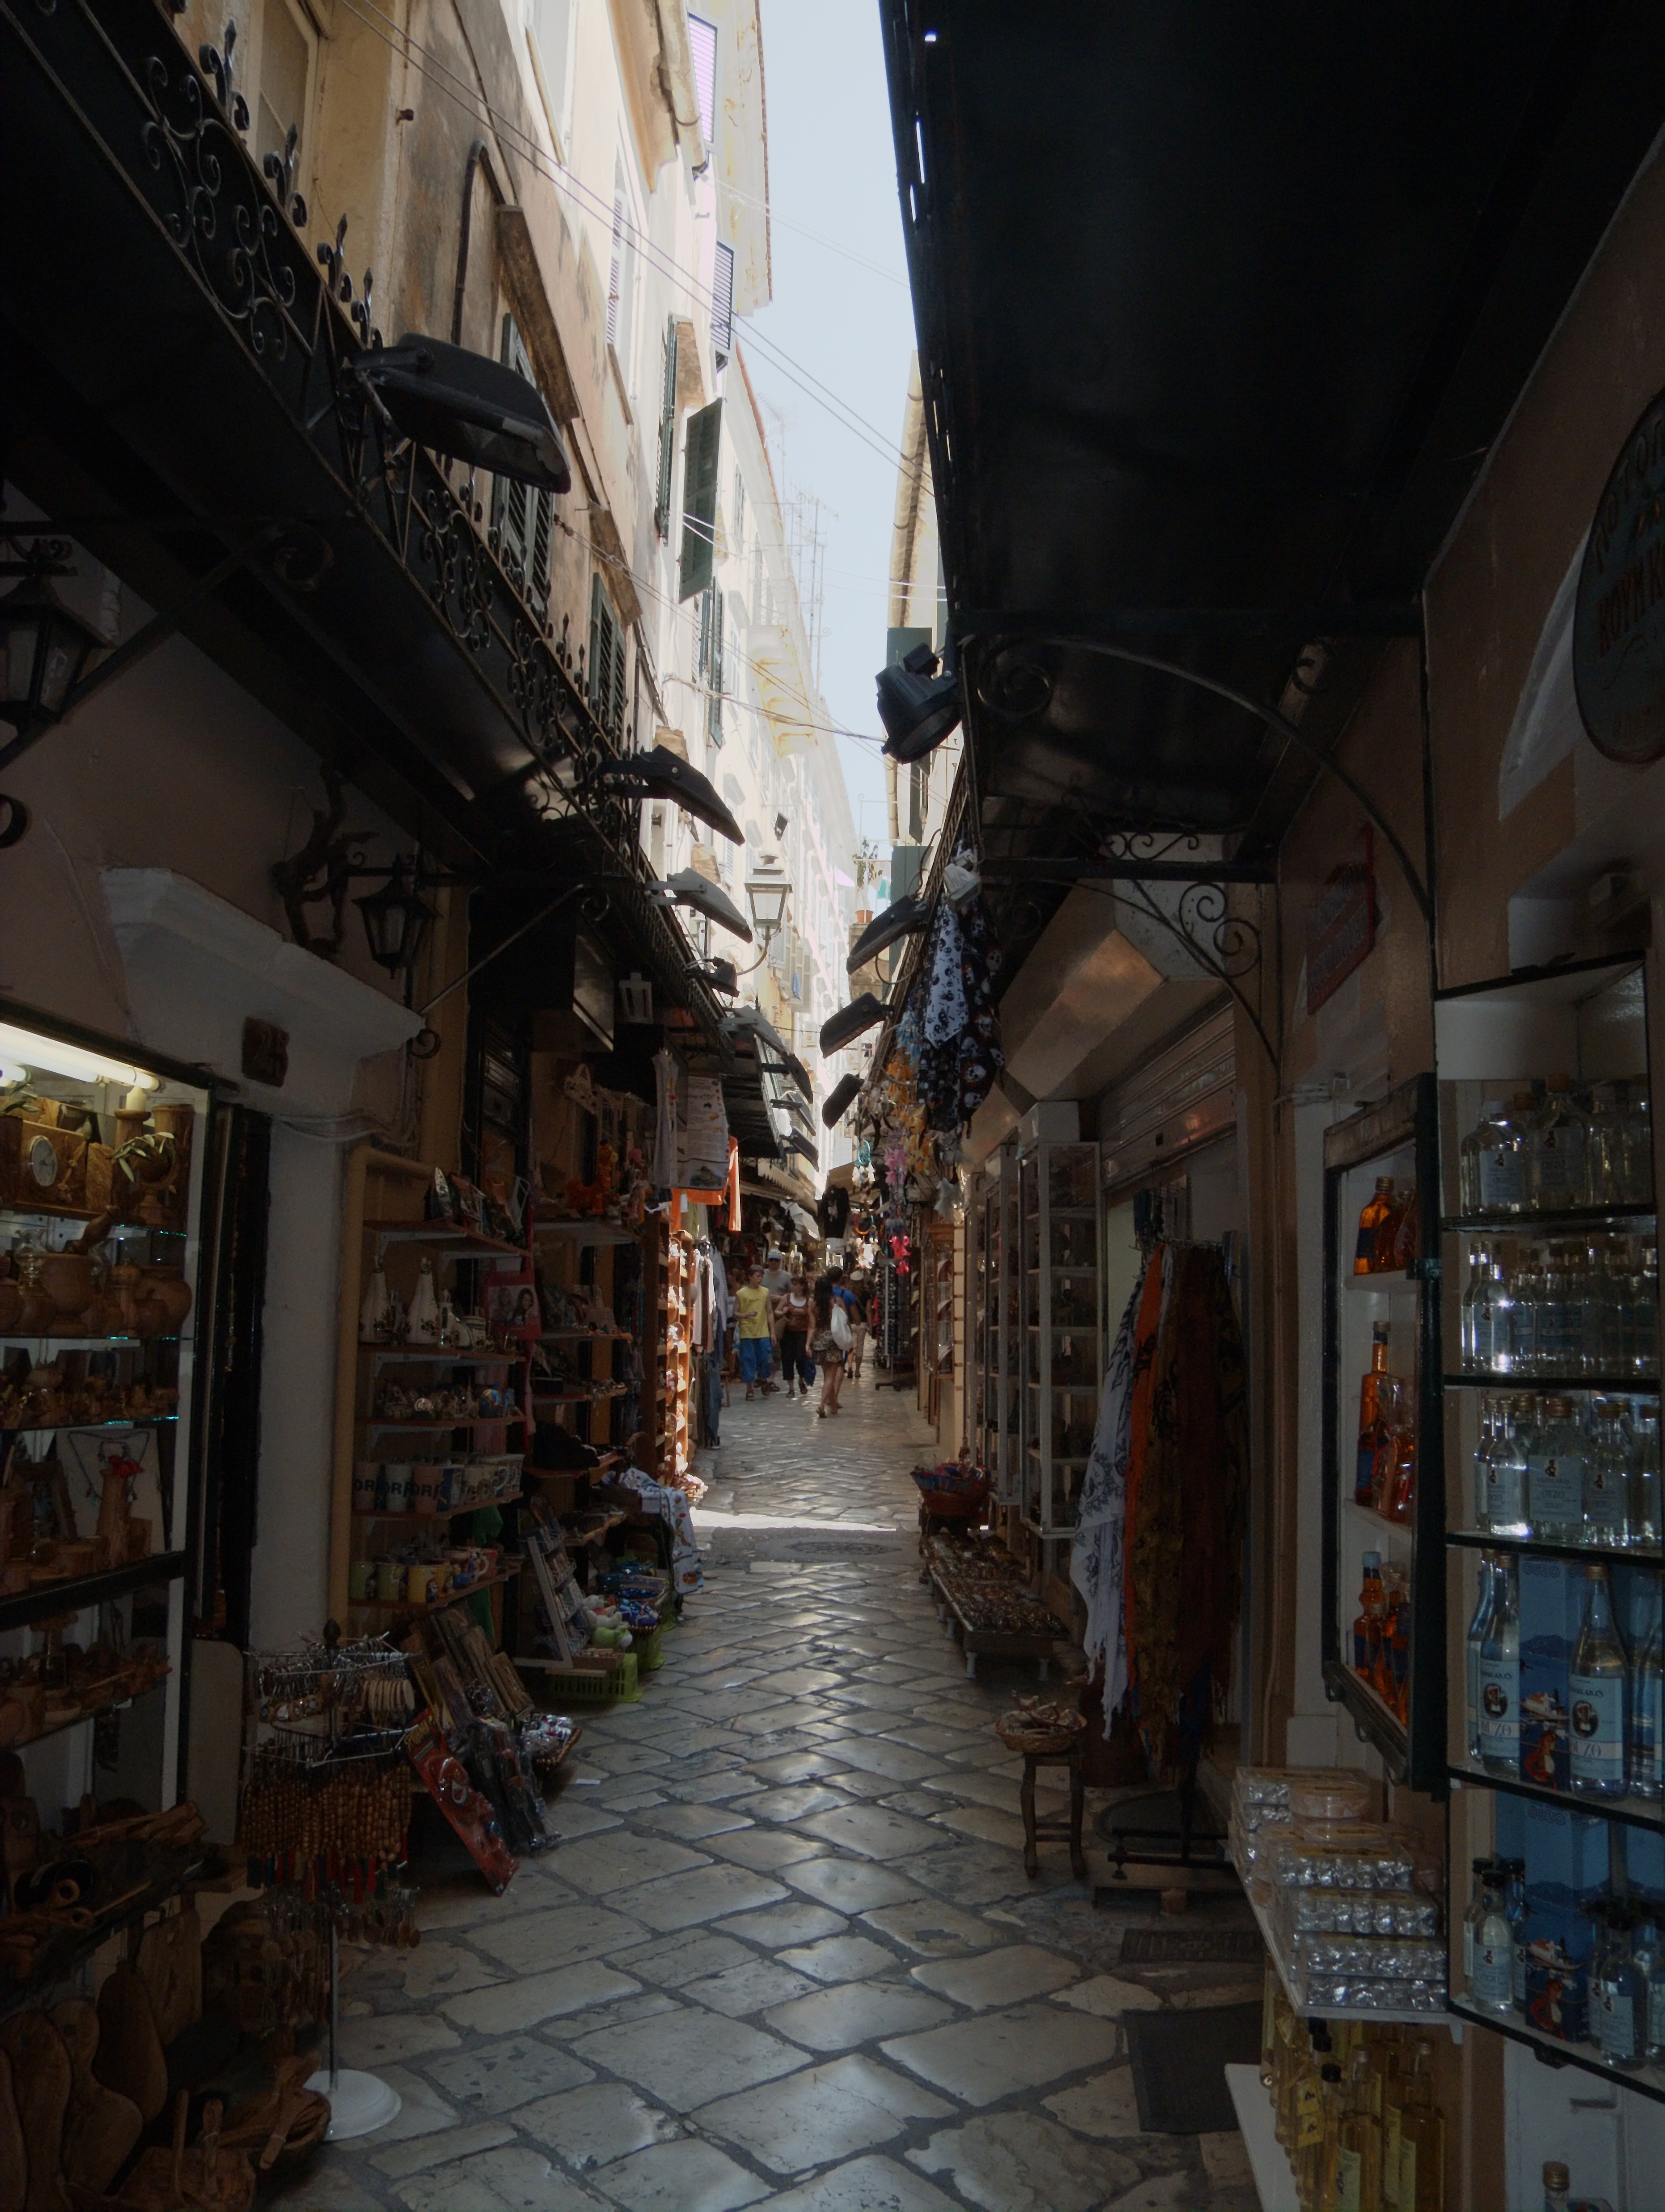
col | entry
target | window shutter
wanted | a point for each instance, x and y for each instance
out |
(702, 43)
(714, 678)
(723, 303)
(700, 500)
(667, 432)
(616, 270)
(523, 521)
(605, 671)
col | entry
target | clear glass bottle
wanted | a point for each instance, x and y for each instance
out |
(1583, 1307)
(1644, 1316)
(1647, 1704)
(1617, 1994)
(1553, 1350)
(1639, 1144)
(1507, 1469)
(1495, 1164)
(1644, 1954)
(1641, 1426)
(1558, 1150)
(1607, 1144)
(1421, 2140)
(1492, 1979)
(1656, 1976)
(1475, 1645)
(1500, 1677)
(1476, 1297)
(1488, 1416)
(1525, 1290)
(1617, 1296)
(1599, 1677)
(1514, 1882)
(1473, 1917)
(1558, 2186)
(1500, 1309)
(1606, 1489)
(1555, 1475)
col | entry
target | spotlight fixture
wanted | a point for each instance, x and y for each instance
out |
(849, 1021)
(465, 404)
(802, 1147)
(901, 920)
(781, 827)
(838, 1100)
(658, 773)
(687, 887)
(717, 975)
(918, 707)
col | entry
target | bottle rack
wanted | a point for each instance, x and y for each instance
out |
(1060, 1352)
(1589, 1021)
(1397, 1139)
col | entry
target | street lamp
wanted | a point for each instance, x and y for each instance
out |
(395, 920)
(767, 894)
(46, 648)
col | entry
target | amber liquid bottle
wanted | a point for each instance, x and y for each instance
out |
(1421, 2140)
(1378, 1211)
(1370, 1413)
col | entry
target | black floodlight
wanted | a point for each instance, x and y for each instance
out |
(849, 1021)
(474, 409)
(802, 1147)
(754, 1018)
(719, 976)
(901, 920)
(687, 887)
(658, 773)
(838, 1104)
(917, 708)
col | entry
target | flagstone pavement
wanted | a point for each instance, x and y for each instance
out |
(785, 1953)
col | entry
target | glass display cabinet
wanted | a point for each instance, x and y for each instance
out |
(1551, 1375)
(992, 1323)
(101, 1179)
(1384, 1604)
(1062, 1361)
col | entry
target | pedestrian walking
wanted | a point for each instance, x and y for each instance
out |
(751, 1306)
(829, 1340)
(792, 1313)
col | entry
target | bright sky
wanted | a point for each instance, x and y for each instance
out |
(841, 314)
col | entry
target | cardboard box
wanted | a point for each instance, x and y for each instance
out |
(1567, 1858)
(1547, 1599)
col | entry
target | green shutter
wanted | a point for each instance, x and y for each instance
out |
(523, 521)
(700, 500)
(714, 679)
(667, 433)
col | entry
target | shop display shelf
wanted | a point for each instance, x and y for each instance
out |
(577, 1540)
(1306, 2011)
(79, 1593)
(1552, 2050)
(1610, 1386)
(1633, 1811)
(69, 1953)
(1637, 1555)
(1377, 1722)
(123, 1421)
(463, 1421)
(448, 1234)
(1382, 1278)
(1534, 1224)
(584, 1232)
(506, 1572)
(444, 1512)
(1377, 1523)
(588, 1336)
(92, 1713)
(1275, 2177)
(575, 1397)
(57, 1343)
(431, 1352)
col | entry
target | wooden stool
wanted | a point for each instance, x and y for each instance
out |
(1034, 1831)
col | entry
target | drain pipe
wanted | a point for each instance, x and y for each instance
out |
(476, 151)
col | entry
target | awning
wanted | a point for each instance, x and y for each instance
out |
(806, 1224)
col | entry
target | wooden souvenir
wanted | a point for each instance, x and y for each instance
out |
(130, 2052)
(42, 1168)
(13, 2159)
(40, 2078)
(170, 1965)
(101, 2126)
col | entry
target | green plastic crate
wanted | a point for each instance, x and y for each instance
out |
(649, 1650)
(588, 1685)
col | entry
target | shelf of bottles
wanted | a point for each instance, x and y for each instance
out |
(991, 1320)
(1555, 1747)
(1059, 1357)
(1383, 1603)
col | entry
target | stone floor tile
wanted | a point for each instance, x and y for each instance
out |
(457, 1907)
(1226, 2159)
(537, 1941)
(688, 1823)
(618, 1757)
(715, 1788)
(690, 2056)
(917, 1804)
(1024, 2162)
(971, 1873)
(797, 1680)
(686, 2176)
(796, 1803)
(400, 2159)
(996, 1791)
(864, 2185)
(748, 1989)
(872, 1833)
(332, 2186)
(997, 2054)
(839, 1959)
(679, 1900)
(1162, 2192)
(383, 2041)
(400, 1980)
(824, 2113)
(603, 1864)
(989, 1827)
(496, 2077)
(877, 1754)
(796, 1767)
(422, 2111)
(1107, 1997)
(572, 1817)
(508, 2006)
(674, 1959)
(933, 1929)
(1105, 2106)
(998, 1978)
(765, 1849)
(795, 1922)
(852, 2013)
(511, 2180)
(594, 2126)
(569, 2026)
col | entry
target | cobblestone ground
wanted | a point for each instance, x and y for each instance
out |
(785, 1955)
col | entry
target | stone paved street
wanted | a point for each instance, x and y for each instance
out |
(785, 1955)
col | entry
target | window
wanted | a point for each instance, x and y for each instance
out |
(523, 521)
(551, 25)
(739, 515)
(702, 38)
(667, 432)
(723, 303)
(605, 673)
(286, 68)
(621, 275)
(710, 661)
(760, 607)
(699, 461)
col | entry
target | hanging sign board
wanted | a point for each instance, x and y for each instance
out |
(1341, 930)
(1619, 623)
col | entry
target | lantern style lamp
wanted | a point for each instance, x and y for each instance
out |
(396, 920)
(47, 648)
(767, 894)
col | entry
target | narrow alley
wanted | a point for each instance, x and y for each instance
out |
(785, 1953)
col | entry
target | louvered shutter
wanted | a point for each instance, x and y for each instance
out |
(667, 432)
(723, 303)
(616, 272)
(714, 679)
(523, 521)
(704, 439)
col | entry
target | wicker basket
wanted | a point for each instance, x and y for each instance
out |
(1018, 1732)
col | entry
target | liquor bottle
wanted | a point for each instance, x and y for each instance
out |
(1514, 1897)
(1558, 1150)
(1476, 1644)
(1489, 1418)
(1332, 2104)
(1558, 2186)
(1597, 1695)
(1608, 1115)
(1391, 1396)
(1647, 1702)
(1367, 1623)
(1399, 1237)
(1644, 1316)
(1500, 1678)
(1639, 1144)
(1421, 2140)
(1492, 1982)
(1359, 2148)
(1606, 1524)
(1644, 1956)
(1655, 1979)
(1489, 1163)
(1641, 1426)
(1370, 1411)
(1377, 1209)
(1480, 1278)
(1525, 1290)
(1617, 1994)
(1399, 1649)
(1555, 1476)
(1473, 1914)
(1506, 1470)
(1399, 1500)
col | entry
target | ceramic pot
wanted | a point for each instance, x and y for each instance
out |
(169, 1286)
(123, 1284)
(70, 1280)
(152, 1317)
(422, 1322)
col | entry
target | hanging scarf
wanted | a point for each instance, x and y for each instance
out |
(1152, 1308)
(1095, 1556)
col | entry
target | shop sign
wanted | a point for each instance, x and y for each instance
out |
(1341, 931)
(1618, 625)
